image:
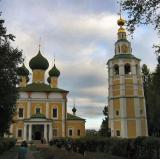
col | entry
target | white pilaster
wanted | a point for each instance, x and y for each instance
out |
(25, 132)
(63, 119)
(30, 132)
(29, 109)
(45, 131)
(50, 132)
(47, 110)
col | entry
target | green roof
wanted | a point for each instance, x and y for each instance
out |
(40, 87)
(54, 72)
(73, 117)
(23, 71)
(38, 115)
(39, 62)
(123, 56)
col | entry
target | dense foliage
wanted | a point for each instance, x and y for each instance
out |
(139, 148)
(143, 12)
(151, 83)
(6, 144)
(10, 59)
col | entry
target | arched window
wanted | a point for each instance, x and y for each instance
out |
(116, 70)
(127, 69)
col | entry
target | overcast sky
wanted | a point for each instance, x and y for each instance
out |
(81, 34)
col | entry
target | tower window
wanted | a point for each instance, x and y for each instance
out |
(116, 70)
(20, 112)
(78, 132)
(141, 111)
(127, 69)
(55, 114)
(137, 69)
(38, 110)
(117, 113)
(117, 132)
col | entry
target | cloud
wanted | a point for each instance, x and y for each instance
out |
(81, 34)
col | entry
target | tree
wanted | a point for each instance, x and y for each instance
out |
(143, 12)
(146, 86)
(151, 84)
(104, 130)
(154, 99)
(10, 59)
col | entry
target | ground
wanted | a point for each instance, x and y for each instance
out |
(45, 152)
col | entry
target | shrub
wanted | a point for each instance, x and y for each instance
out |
(6, 144)
(140, 148)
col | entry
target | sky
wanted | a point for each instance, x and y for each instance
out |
(81, 35)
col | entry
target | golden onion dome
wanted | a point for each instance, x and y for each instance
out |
(120, 22)
(121, 30)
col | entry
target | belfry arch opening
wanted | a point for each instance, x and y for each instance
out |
(127, 69)
(116, 69)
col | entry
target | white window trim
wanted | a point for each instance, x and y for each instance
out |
(17, 133)
(21, 107)
(57, 112)
(72, 132)
(57, 132)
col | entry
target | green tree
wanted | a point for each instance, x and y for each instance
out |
(10, 59)
(146, 85)
(104, 129)
(154, 100)
(143, 12)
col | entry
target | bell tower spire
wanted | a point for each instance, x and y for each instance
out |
(122, 46)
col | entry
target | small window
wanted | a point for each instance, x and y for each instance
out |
(55, 132)
(141, 111)
(117, 113)
(127, 69)
(78, 132)
(20, 112)
(117, 132)
(19, 133)
(70, 132)
(38, 110)
(116, 70)
(137, 69)
(54, 112)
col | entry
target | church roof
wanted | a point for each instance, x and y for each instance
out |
(40, 87)
(73, 117)
(38, 62)
(23, 71)
(54, 72)
(124, 56)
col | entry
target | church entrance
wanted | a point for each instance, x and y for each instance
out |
(37, 132)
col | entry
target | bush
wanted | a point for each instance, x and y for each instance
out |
(140, 148)
(6, 144)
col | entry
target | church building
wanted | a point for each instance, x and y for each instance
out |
(126, 102)
(41, 107)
